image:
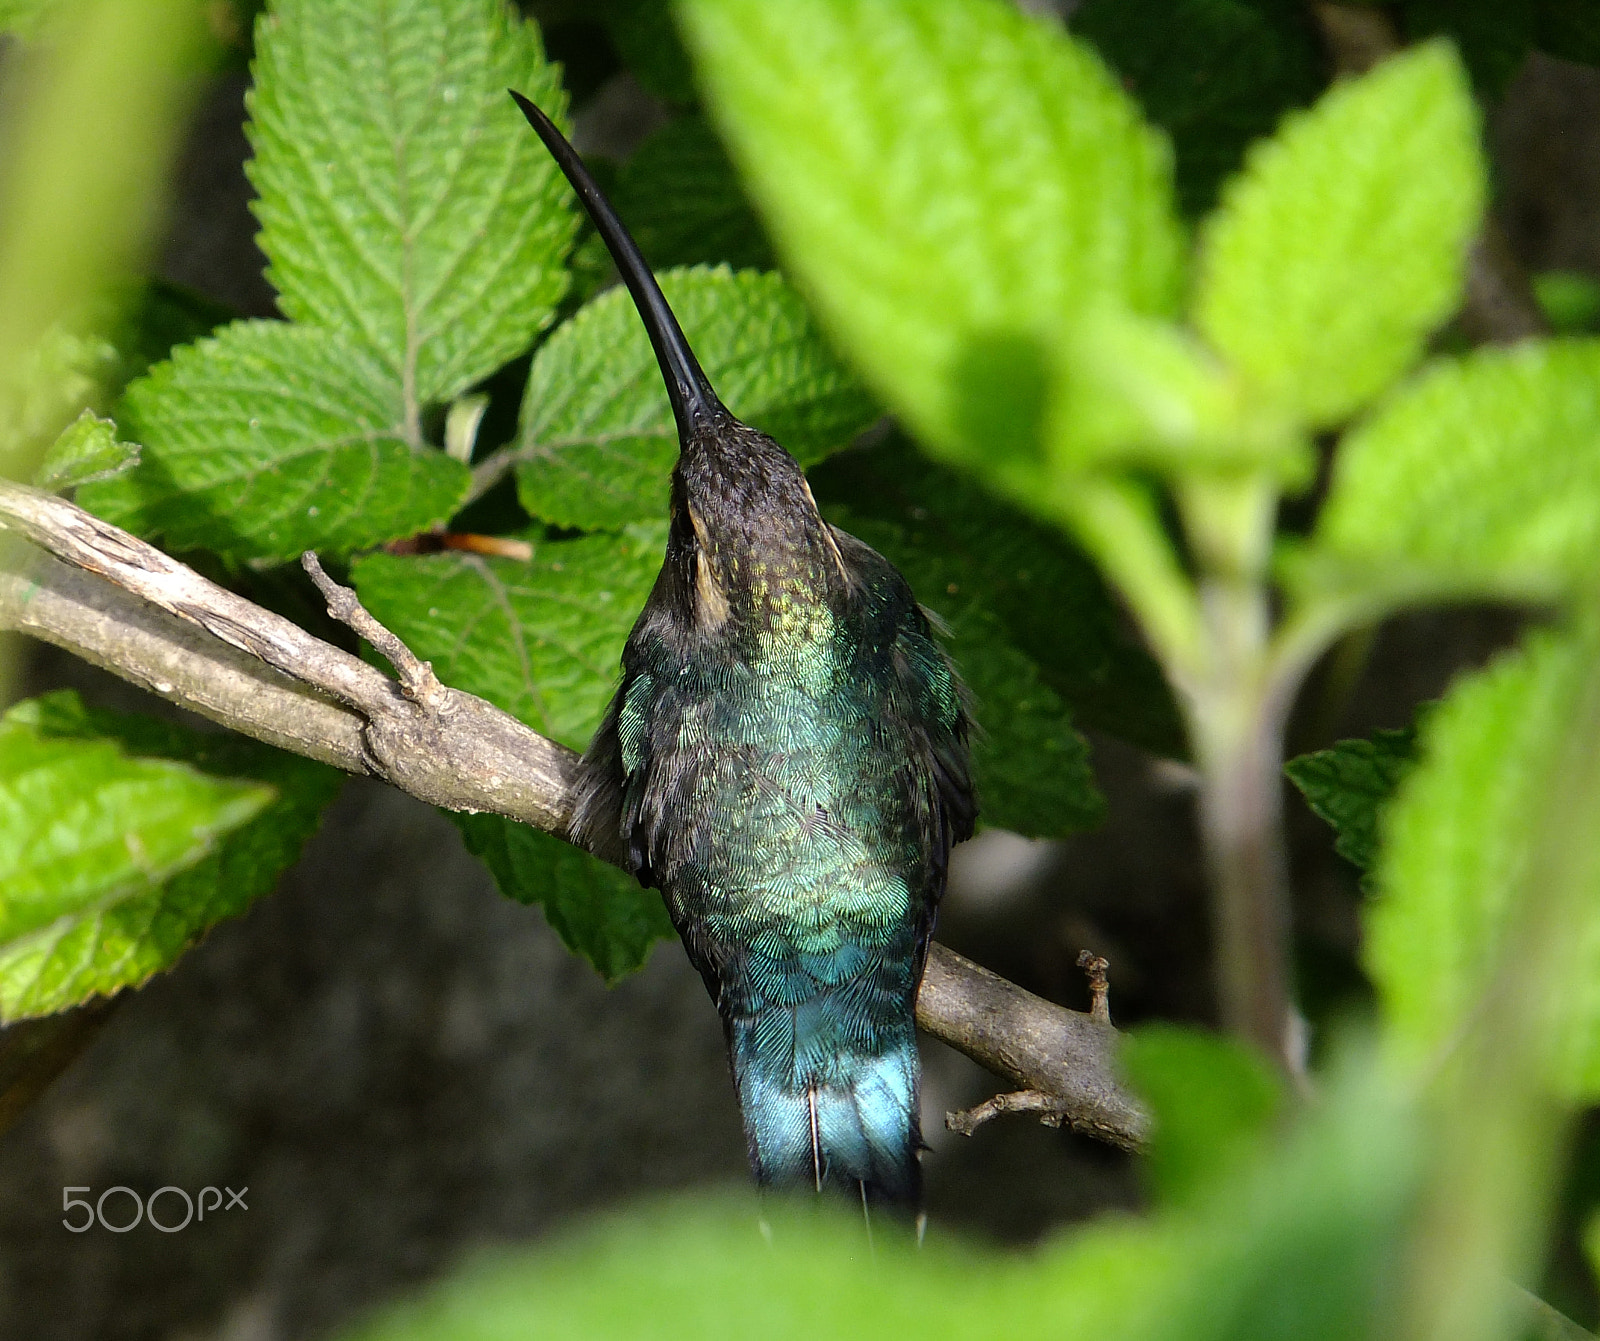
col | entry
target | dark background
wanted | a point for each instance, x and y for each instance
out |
(402, 1065)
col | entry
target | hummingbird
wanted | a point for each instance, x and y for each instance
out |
(786, 760)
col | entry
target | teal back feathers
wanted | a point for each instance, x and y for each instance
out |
(785, 759)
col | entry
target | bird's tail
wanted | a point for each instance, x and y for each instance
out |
(849, 1123)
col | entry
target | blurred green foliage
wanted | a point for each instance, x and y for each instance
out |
(1127, 283)
(1298, 1245)
(1213, 1102)
(1570, 301)
(79, 204)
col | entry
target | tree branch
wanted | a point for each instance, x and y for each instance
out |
(1033, 1043)
(456, 750)
(127, 607)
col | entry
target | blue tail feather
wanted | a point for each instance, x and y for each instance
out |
(852, 1125)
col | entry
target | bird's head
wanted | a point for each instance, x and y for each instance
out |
(743, 517)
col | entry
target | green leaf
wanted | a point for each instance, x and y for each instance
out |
(541, 639)
(1301, 1243)
(1213, 1100)
(122, 839)
(1048, 596)
(1214, 74)
(1030, 768)
(683, 203)
(1351, 783)
(86, 825)
(27, 18)
(1570, 301)
(695, 1268)
(1343, 243)
(31, 19)
(87, 450)
(599, 912)
(597, 442)
(591, 266)
(1482, 475)
(1144, 392)
(1301, 1247)
(403, 200)
(949, 184)
(1458, 841)
(269, 440)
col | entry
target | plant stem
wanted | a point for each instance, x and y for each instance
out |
(1117, 523)
(1236, 682)
(1237, 732)
(1236, 708)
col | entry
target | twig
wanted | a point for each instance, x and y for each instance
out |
(1033, 1043)
(1049, 1108)
(495, 467)
(417, 680)
(498, 546)
(1498, 306)
(176, 660)
(1099, 985)
(162, 626)
(1239, 744)
(457, 751)
(1054, 1110)
(438, 542)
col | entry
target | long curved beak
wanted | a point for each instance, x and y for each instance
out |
(693, 400)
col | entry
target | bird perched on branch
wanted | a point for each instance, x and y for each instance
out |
(786, 760)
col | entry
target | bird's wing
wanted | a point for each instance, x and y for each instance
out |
(929, 695)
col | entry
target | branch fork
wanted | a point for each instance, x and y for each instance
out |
(1061, 1103)
(417, 680)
